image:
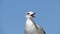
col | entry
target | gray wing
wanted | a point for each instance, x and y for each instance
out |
(40, 29)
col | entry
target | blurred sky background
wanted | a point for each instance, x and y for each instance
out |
(12, 15)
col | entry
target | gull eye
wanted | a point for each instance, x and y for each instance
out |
(28, 13)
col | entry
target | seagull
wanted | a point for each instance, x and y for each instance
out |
(31, 27)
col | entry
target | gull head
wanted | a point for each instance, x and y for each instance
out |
(30, 14)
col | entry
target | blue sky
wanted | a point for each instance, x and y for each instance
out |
(12, 15)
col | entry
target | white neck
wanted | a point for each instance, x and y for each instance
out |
(29, 22)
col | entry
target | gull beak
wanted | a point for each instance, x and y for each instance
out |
(33, 15)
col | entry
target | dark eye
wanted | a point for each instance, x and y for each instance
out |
(28, 13)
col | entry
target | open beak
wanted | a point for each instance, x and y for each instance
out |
(33, 15)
